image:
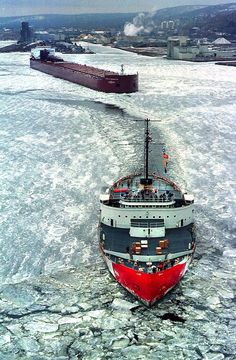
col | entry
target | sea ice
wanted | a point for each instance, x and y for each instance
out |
(110, 323)
(213, 301)
(19, 294)
(226, 293)
(134, 351)
(124, 304)
(42, 327)
(5, 339)
(195, 294)
(70, 320)
(29, 344)
(214, 356)
(120, 343)
(97, 314)
(229, 253)
(84, 306)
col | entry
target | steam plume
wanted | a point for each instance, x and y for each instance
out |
(141, 24)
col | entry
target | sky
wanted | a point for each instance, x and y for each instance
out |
(35, 7)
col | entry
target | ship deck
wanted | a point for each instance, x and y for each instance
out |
(119, 240)
(86, 69)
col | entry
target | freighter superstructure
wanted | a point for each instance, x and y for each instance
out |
(147, 232)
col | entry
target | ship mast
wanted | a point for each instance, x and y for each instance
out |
(147, 140)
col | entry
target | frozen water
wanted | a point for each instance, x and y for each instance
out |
(59, 143)
(123, 305)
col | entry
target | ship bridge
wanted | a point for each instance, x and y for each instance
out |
(129, 192)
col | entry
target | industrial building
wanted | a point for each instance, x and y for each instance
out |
(182, 48)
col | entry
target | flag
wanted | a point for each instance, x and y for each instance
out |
(165, 162)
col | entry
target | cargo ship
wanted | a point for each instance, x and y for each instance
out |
(44, 59)
(146, 230)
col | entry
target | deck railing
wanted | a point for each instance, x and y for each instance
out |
(147, 199)
(147, 225)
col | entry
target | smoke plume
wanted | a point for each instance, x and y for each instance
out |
(141, 24)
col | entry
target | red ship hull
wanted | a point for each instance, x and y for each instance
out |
(148, 288)
(96, 79)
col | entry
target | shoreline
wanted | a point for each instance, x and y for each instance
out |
(146, 51)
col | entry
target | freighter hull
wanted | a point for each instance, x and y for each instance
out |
(148, 288)
(108, 82)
